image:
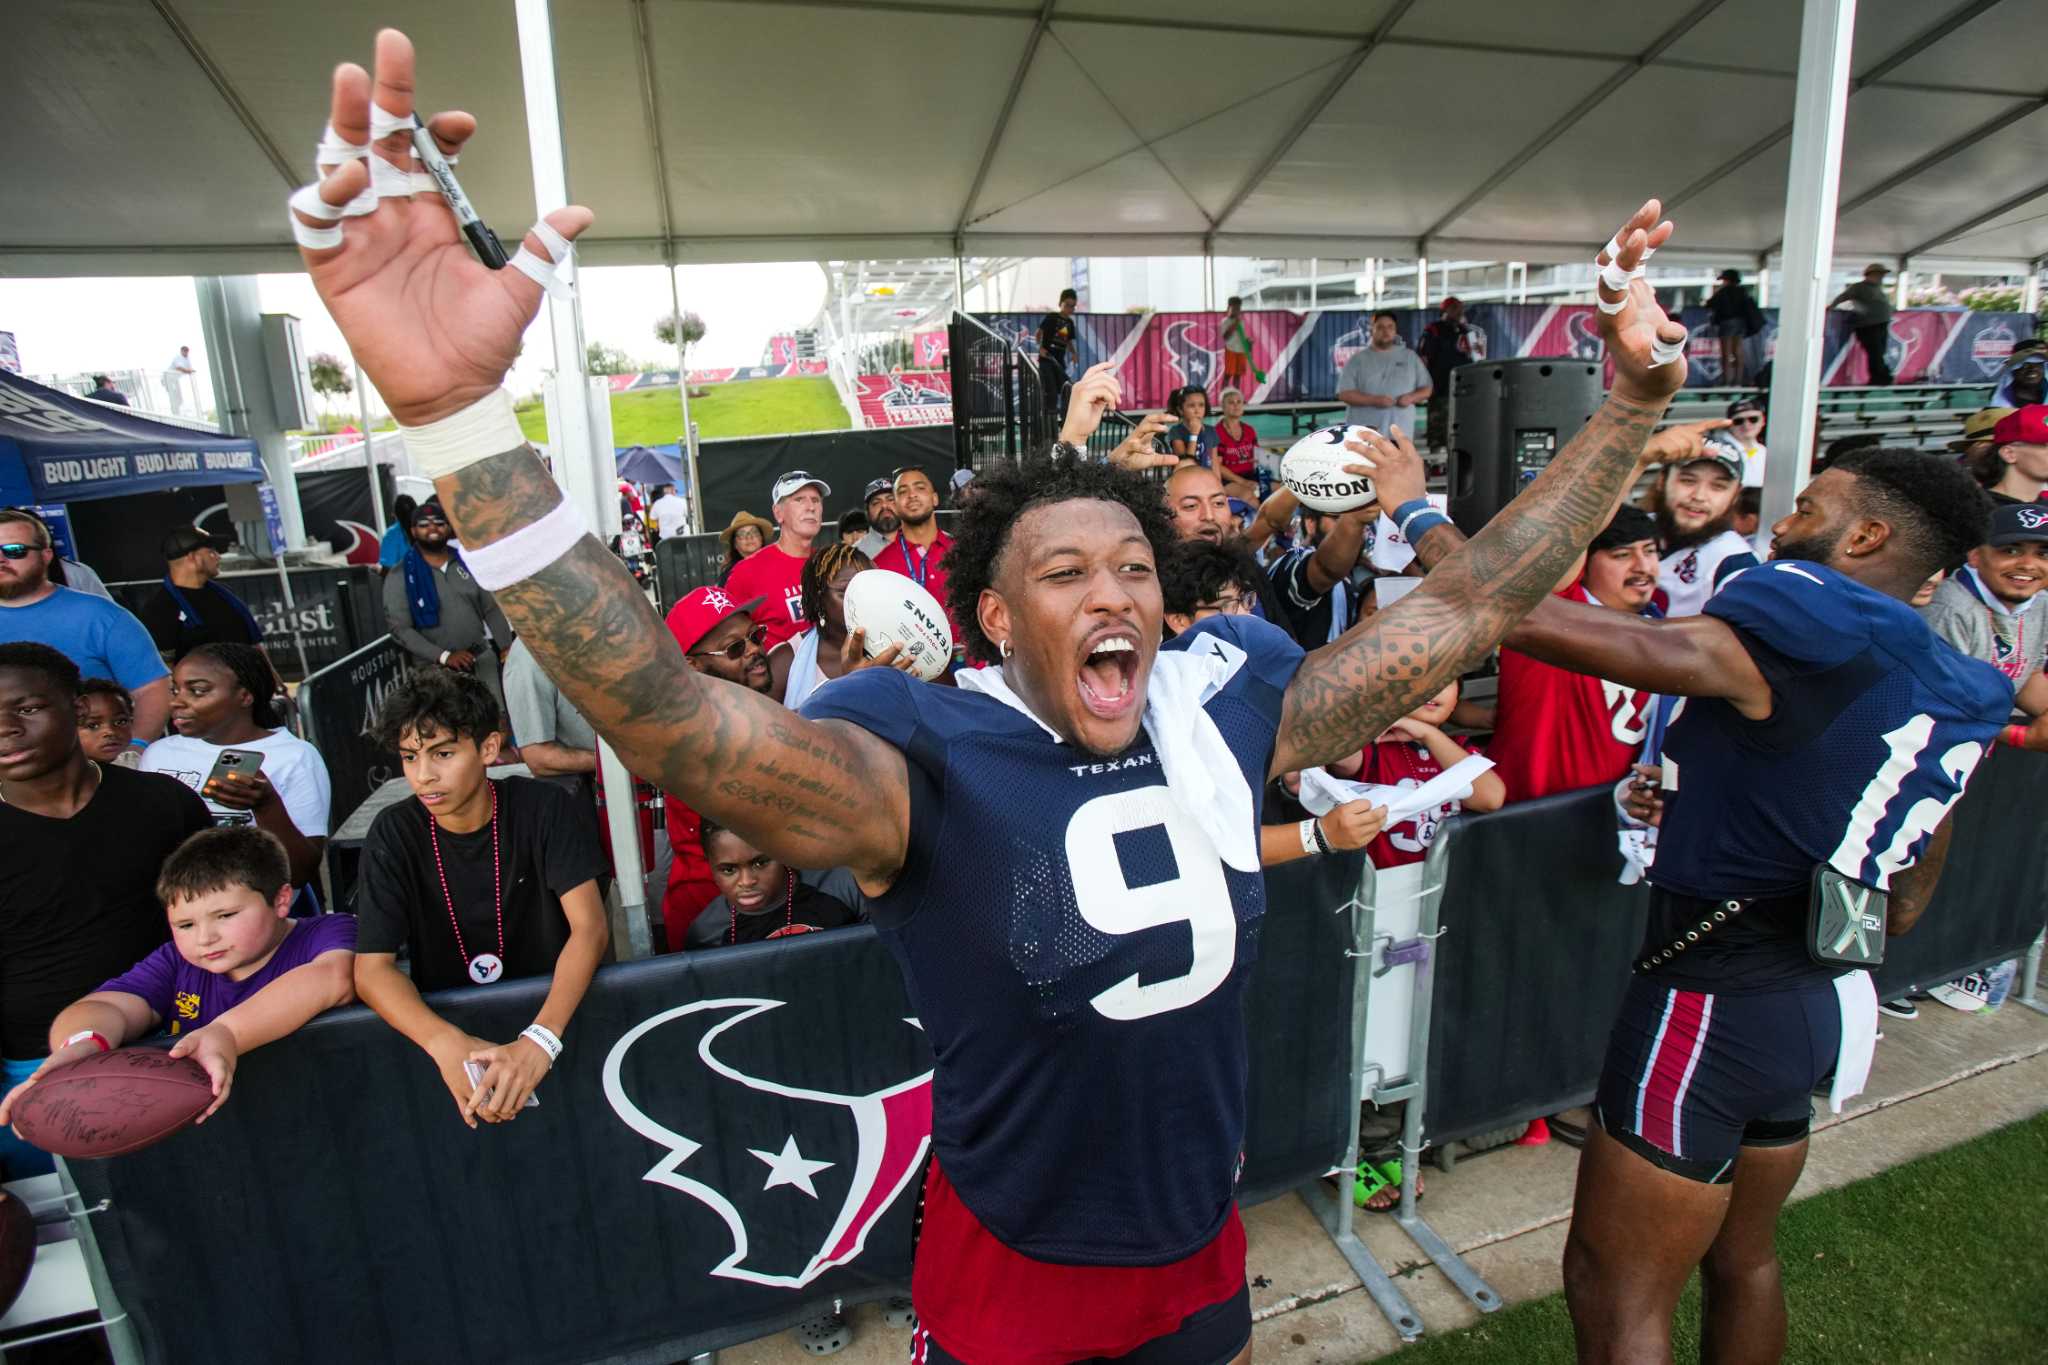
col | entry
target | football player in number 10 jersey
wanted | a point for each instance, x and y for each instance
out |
(1827, 727)
(1064, 858)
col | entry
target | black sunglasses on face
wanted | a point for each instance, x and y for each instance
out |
(17, 550)
(737, 649)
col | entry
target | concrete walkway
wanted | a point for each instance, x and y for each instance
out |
(1938, 1080)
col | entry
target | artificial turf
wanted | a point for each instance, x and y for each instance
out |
(1936, 1260)
(753, 407)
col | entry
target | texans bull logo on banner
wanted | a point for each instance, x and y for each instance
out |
(1190, 362)
(801, 1175)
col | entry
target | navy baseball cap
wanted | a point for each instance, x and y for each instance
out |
(877, 487)
(2014, 523)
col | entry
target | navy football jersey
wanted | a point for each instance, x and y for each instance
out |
(1078, 954)
(1875, 727)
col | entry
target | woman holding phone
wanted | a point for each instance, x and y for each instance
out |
(227, 745)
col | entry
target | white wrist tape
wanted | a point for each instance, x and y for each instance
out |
(481, 430)
(526, 551)
(554, 275)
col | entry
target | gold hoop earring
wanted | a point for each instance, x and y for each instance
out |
(1003, 648)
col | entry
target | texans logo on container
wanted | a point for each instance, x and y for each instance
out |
(1190, 361)
(1992, 347)
(806, 1173)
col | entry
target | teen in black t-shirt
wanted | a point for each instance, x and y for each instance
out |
(761, 898)
(482, 882)
(80, 846)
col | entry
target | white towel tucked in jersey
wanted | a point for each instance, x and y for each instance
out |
(1857, 994)
(1199, 768)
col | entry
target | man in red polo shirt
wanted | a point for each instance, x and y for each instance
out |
(920, 548)
(1557, 731)
(772, 575)
(719, 637)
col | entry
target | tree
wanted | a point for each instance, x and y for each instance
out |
(599, 358)
(330, 378)
(690, 325)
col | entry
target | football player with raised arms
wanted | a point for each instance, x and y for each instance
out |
(1828, 735)
(1080, 974)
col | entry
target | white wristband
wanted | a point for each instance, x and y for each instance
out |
(526, 551)
(1308, 838)
(481, 430)
(543, 1038)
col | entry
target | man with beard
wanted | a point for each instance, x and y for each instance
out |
(1198, 509)
(882, 520)
(103, 639)
(720, 640)
(1383, 382)
(1696, 526)
(436, 609)
(1555, 730)
(920, 548)
(1084, 758)
(769, 576)
(1826, 739)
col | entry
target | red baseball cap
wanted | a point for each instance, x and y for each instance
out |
(701, 609)
(2025, 426)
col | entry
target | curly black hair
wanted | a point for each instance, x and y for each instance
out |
(1006, 492)
(53, 664)
(252, 673)
(436, 701)
(1196, 571)
(1933, 505)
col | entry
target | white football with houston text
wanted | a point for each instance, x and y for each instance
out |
(1313, 470)
(894, 610)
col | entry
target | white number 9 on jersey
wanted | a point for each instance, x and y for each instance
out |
(1198, 897)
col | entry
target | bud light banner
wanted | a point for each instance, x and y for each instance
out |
(1302, 354)
(731, 1140)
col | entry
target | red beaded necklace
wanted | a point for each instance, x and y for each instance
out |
(788, 910)
(484, 968)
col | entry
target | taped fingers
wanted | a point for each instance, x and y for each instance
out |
(1662, 350)
(325, 203)
(551, 271)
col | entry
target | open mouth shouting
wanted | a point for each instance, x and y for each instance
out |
(1108, 674)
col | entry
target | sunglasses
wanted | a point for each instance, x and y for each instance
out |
(429, 519)
(737, 650)
(1749, 419)
(17, 550)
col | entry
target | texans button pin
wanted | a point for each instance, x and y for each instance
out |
(485, 968)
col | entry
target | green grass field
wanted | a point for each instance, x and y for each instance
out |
(753, 407)
(1938, 1260)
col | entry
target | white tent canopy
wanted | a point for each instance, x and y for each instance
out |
(161, 136)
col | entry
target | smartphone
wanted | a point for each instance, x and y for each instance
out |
(475, 1071)
(241, 761)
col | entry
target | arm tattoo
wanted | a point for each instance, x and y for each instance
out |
(1347, 692)
(812, 795)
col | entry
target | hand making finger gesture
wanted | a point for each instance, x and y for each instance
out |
(1678, 444)
(1093, 396)
(1638, 323)
(434, 328)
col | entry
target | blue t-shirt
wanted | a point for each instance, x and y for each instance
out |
(1875, 727)
(104, 640)
(186, 997)
(1204, 445)
(391, 549)
(1078, 954)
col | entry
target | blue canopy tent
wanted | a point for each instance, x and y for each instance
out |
(55, 448)
(651, 465)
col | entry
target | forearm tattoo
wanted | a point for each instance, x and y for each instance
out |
(1349, 691)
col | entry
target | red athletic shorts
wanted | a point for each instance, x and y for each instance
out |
(982, 1302)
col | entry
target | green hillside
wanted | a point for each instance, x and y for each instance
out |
(753, 407)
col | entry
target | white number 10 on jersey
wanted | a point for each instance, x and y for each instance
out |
(1199, 897)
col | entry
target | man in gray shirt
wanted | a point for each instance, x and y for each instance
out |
(1995, 608)
(1382, 383)
(555, 742)
(437, 611)
(1873, 320)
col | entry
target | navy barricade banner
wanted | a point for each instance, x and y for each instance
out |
(731, 1139)
(1541, 939)
(337, 703)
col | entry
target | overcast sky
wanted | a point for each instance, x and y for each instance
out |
(62, 326)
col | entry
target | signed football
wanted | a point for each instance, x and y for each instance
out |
(894, 610)
(116, 1102)
(1313, 470)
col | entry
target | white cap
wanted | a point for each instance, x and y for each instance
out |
(786, 484)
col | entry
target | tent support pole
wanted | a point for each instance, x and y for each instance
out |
(369, 454)
(689, 441)
(577, 467)
(1812, 185)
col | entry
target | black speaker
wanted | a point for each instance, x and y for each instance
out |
(1509, 418)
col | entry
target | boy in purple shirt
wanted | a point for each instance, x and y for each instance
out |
(237, 973)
